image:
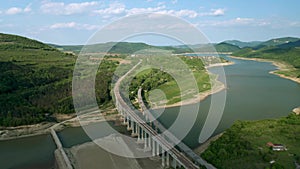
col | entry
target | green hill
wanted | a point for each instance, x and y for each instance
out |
(14, 42)
(243, 44)
(285, 49)
(36, 81)
(244, 145)
(225, 47)
(279, 41)
(110, 47)
(120, 48)
(130, 48)
(202, 48)
(290, 44)
(67, 48)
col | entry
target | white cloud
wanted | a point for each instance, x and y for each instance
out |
(27, 8)
(217, 12)
(74, 25)
(214, 12)
(60, 8)
(113, 9)
(118, 8)
(133, 11)
(63, 25)
(13, 11)
(235, 22)
(186, 13)
(17, 10)
(180, 13)
(243, 20)
(161, 3)
(294, 23)
(173, 1)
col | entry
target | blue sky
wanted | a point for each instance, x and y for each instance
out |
(74, 21)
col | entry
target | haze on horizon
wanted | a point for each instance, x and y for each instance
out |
(70, 22)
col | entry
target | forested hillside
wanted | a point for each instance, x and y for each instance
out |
(283, 49)
(245, 144)
(36, 79)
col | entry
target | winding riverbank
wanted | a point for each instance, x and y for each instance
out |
(9, 133)
(217, 86)
(199, 150)
(281, 66)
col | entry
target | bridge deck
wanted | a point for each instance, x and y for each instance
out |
(181, 158)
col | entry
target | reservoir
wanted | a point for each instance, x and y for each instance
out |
(252, 94)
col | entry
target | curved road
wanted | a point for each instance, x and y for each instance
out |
(181, 158)
(181, 145)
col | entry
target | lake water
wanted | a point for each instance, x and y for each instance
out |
(27, 153)
(252, 94)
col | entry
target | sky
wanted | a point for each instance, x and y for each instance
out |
(69, 22)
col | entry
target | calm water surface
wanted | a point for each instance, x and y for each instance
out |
(252, 94)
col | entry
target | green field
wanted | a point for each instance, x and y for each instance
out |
(152, 79)
(244, 145)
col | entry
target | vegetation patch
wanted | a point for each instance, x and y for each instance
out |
(246, 144)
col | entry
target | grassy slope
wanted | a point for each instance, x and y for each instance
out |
(225, 47)
(286, 52)
(155, 79)
(244, 144)
(36, 80)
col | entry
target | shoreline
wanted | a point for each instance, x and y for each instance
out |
(200, 149)
(11, 133)
(220, 64)
(217, 87)
(280, 65)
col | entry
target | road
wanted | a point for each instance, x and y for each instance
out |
(181, 158)
(181, 145)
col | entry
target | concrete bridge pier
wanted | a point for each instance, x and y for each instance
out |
(163, 158)
(132, 127)
(174, 163)
(157, 149)
(139, 134)
(129, 125)
(168, 159)
(149, 141)
(153, 148)
(145, 141)
(125, 120)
